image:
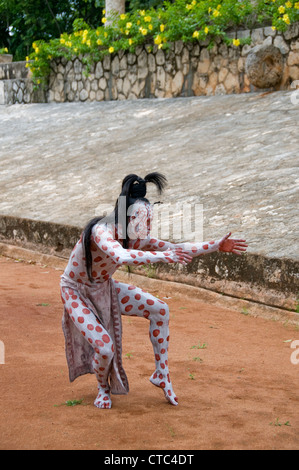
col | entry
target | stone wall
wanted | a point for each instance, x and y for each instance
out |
(16, 85)
(183, 70)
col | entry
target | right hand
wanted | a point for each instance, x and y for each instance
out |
(177, 255)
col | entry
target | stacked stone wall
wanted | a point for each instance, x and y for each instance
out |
(16, 85)
(270, 62)
(184, 70)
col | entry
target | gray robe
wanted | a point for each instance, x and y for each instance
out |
(102, 300)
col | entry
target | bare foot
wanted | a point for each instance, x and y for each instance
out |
(163, 381)
(103, 399)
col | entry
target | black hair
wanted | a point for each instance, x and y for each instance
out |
(86, 244)
(133, 189)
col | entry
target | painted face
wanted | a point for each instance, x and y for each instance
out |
(141, 216)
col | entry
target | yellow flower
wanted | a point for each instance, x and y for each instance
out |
(37, 50)
(142, 12)
(274, 28)
(189, 7)
(160, 46)
(150, 27)
(206, 30)
(123, 16)
(236, 42)
(216, 13)
(193, 2)
(5, 49)
(286, 19)
(129, 25)
(130, 42)
(289, 4)
(148, 19)
(104, 20)
(105, 34)
(158, 39)
(99, 42)
(144, 31)
(68, 44)
(297, 5)
(88, 42)
(281, 10)
(195, 34)
(27, 59)
(97, 32)
(111, 49)
(162, 27)
(219, 7)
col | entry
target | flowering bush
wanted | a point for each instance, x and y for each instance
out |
(182, 20)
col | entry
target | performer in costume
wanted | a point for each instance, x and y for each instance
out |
(94, 302)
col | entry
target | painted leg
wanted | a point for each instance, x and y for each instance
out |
(136, 302)
(97, 336)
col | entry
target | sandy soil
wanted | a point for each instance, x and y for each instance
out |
(239, 392)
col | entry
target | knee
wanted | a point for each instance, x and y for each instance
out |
(104, 347)
(160, 315)
(164, 312)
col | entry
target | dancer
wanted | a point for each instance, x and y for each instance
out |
(94, 302)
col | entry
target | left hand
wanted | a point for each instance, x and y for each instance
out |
(228, 245)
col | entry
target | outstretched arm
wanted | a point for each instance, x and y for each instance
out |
(121, 256)
(226, 244)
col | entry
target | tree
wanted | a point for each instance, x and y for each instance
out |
(113, 7)
(24, 21)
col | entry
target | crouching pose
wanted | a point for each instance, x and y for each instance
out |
(94, 302)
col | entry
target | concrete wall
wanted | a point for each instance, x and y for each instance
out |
(270, 281)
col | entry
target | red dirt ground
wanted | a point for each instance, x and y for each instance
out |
(240, 392)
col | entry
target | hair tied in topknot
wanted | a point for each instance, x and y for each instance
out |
(135, 187)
